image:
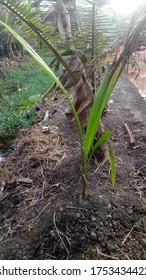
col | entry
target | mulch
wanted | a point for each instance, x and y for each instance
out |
(43, 215)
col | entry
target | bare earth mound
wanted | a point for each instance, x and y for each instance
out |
(42, 213)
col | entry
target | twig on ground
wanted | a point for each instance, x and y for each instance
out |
(36, 219)
(136, 173)
(105, 255)
(101, 165)
(128, 234)
(59, 233)
(126, 257)
(131, 136)
(78, 208)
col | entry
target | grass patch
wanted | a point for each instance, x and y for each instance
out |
(17, 92)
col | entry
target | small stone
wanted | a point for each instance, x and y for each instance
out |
(78, 215)
(110, 247)
(93, 219)
(100, 236)
(93, 235)
(83, 238)
(52, 233)
(82, 257)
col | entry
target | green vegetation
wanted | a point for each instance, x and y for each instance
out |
(90, 89)
(100, 102)
(18, 91)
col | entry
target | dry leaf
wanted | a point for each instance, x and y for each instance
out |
(82, 100)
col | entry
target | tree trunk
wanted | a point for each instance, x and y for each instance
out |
(63, 20)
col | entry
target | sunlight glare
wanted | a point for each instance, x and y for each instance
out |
(125, 6)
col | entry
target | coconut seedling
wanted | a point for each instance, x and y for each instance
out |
(87, 109)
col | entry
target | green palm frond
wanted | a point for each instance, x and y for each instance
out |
(93, 26)
(29, 12)
(105, 30)
(14, 7)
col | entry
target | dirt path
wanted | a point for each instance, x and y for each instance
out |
(139, 80)
(42, 214)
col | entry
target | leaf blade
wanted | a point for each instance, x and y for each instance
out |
(105, 136)
(113, 165)
(95, 116)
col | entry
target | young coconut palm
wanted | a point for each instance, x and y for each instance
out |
(96, 107)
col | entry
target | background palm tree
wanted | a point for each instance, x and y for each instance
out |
(27, 8)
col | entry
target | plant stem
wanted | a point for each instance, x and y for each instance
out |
(84, 178)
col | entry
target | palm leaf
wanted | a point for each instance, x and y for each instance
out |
(105, 136)
(113, 165)
(95, 116)
(101, 99)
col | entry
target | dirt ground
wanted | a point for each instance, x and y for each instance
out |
(42, 214)
(6, 63)
(140, 80)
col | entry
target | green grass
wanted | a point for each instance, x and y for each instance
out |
(16, 90)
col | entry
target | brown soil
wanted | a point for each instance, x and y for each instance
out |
(42, 213)
(138, 78)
